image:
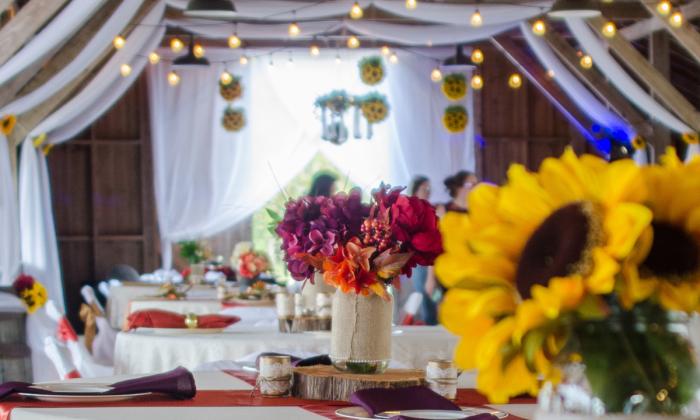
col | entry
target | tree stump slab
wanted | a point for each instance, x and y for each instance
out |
(328, 384)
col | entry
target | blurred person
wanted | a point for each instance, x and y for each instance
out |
(323, 185)
(458, 186)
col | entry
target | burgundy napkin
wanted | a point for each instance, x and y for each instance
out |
(378, 400)
(484, 416)
(322, 359)
(177, 383)
(155, 318)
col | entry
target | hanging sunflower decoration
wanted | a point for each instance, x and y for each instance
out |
(638, 142)
(31, 291)
(233, 119)
(374, 107)
(232, 90)
(691, 138)
(455, 119)
(454, 86)
(372, 70)
(7, 124)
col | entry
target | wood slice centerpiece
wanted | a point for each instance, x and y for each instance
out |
(327, 383)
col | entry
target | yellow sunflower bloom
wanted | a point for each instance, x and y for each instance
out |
(7, 124)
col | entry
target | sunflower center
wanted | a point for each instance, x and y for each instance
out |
(557, 248)
(674, 253)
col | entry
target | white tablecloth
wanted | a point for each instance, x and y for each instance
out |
(148, 351)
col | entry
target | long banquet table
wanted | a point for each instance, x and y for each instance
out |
(220, 396)
(149, 351)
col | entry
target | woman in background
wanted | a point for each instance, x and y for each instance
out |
(323, 185)
(458, 185)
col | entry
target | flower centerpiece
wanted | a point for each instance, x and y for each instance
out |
(249, 263)
(577, 274)
(361, 249)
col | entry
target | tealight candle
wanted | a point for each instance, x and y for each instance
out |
(285, 305)
(275, 375)
(441, 376)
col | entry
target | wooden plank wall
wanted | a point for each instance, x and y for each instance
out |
(102, 191)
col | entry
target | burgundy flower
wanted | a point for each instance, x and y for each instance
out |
(23, 282)
(385, 196)
(414, 223)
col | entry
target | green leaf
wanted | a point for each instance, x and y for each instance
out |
(532, 342)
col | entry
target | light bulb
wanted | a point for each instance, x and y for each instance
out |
(243, 60)
(477, 82)
(226, 77)
(436, 75)
(353, 42)
(198, 50)
(125, 70)
(664, 8)
(476, 19)
(294, 29)
(176, 45)
(411, 4)
(586, 61)
(314, 50)
(393, 58)
(609, 30)
(234, 41)
(515, 81)
(386, 50)
(550, 73)
(154, 58)
(477, 56)
(119, 42)
(173, 78)
(356, 11)
(539, 28)
(676, 19)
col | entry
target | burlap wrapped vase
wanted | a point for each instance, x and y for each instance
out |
(361, 333)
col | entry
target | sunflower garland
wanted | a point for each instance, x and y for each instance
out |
(232, 90)
(454, 86)
(233, 119)
(455, 119)
(374, 107)
(372, 70)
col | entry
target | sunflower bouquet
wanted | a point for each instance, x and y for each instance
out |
(360, 248)
(584, 263)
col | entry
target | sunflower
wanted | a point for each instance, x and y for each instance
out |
(666, 264)
(455, 119)
(638, 142)
(7, 124)
(542, 246)
(371, 70)
(454, 86)
(34, 297)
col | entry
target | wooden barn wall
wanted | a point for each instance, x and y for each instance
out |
(102, 192)
(515, 125)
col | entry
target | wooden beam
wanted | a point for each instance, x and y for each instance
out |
(658, 84)
(25, 24)
(598, 84)
(27, 121)
(686, 35)
(537, 76)
(660, 58)
(645, 27)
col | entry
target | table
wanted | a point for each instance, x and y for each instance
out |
(188, 410)
(147, 351)
(197, 306)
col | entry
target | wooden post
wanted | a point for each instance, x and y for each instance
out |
(25, 24)
(686, 35)
(660, 58)
(659, 85)
(598, 84)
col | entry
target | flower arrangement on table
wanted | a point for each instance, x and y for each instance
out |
(192, 251)
(171, 291)
(249, 263)
(583, 263)
(31, 291)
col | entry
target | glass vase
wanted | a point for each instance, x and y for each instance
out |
(361, 333)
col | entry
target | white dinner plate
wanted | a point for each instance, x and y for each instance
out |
(73, 387)
(72, 398)
(180, 331)
(360, 413)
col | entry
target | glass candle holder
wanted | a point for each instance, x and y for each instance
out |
(275, 376)
(441, 376)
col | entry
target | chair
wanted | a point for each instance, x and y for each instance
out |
(123, 272)
(60, 358)
(104, 287)
(101, 344)
(411, 308)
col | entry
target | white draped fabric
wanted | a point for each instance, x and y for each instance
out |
(207, 179)
(573, 88)
(114, 25)
(9, 239)
(693, 152)
(65, 24)
(620, 78)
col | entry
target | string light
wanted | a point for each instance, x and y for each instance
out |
(234, 41)
(539, 28)
(586, 61)
(119, 42)
(314, 50)
(154, 58)
(411, 4)
(515, 81)
(353, 42)
(676, 19)
(436, 75)
(176, 45)
(294, 29)
(664, 8)
(609, 29)
(393, 58)
(550, 73)
(198, 50)
(125, 70)
(477, 56)
(386, 50)
(476, 19)
(477, 82)
(356, 11)
(226, 77)
(173, 78)
(243, 60)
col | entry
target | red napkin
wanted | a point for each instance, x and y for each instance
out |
(155, 318)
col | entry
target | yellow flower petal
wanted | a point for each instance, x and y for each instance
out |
(605, 268)
(623, 226)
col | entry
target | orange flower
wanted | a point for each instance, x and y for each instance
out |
(349, 269)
